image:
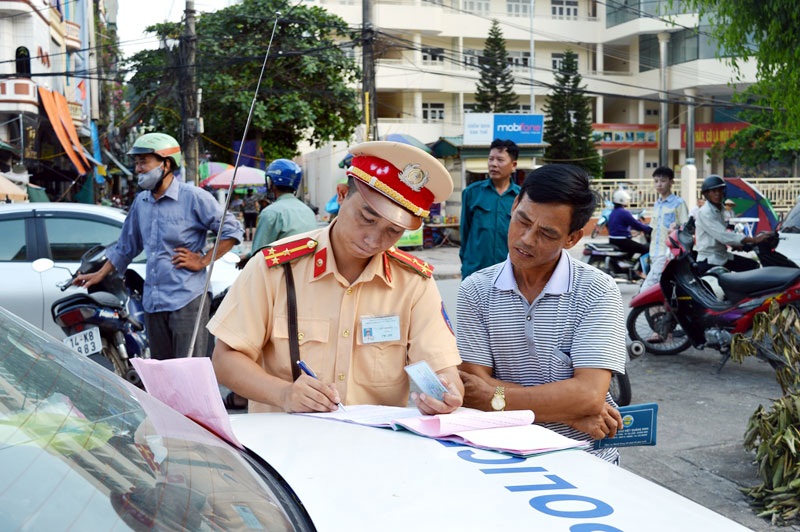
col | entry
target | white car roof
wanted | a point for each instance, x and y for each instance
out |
(352, 477)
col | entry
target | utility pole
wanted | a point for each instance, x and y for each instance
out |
(368, 101)
(189, 108)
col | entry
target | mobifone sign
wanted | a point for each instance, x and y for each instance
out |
(483, 128)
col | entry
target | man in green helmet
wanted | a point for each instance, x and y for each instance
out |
(169, 220)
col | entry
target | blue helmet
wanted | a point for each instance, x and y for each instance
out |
(285, 173)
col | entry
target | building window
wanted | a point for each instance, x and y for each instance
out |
(557, 61)
(477, 7)
(518, 8)
(651, 164)
(431, 56)
(432, 112)
(651, 112)
(470, 107)
(472, 58)
(519, 60)
(23, 57)
(564, 8)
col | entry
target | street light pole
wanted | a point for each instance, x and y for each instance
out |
(190, 111)
(530, 60)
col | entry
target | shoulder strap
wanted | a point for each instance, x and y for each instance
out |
(291, 303)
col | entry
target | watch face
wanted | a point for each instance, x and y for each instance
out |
(498, 403)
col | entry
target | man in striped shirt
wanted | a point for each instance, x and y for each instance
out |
(543, 331)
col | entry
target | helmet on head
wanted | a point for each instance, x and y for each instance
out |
(622, 197)
(159, 144)
(285, 173)
(712, 182)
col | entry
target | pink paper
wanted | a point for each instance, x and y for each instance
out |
(189, 386)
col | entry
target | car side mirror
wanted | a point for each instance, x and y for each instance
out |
(42, 265)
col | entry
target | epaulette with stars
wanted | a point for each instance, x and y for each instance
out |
(411, 262)
(288, 251)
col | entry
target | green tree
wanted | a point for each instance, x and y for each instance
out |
(496, 85)
(307, 92)
(768, 32)
(568, 122)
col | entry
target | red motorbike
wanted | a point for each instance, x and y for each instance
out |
(687, 310)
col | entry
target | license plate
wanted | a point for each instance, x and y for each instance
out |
(85, 342)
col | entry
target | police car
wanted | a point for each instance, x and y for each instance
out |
(82, 449)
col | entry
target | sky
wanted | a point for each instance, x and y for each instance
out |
(135, 15)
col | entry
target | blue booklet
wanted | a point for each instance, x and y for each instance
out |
(639, 424)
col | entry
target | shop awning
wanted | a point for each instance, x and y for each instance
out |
(55, 105)
(119, 164)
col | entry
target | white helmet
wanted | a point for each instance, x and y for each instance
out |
(622, 197)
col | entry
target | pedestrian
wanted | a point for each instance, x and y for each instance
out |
(169, 220)
(620, 223)
(250, 213)
(542, 330)
(359, 310)
(669, 212)
(713, 237)
(486, 210)
(729, 212)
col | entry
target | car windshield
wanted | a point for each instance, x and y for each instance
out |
(78, 445)
(792, 222)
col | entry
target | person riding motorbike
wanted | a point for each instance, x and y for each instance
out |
(620, 223)
(712, 235)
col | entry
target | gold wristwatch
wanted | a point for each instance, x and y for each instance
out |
(498, 401)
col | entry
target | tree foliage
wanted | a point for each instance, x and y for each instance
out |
(568, 121)
(767, 31)
(495, 91)
(307, 92)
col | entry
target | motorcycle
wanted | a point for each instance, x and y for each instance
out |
(105, 324)
(617, 263)
(686, 309)
(603, 219)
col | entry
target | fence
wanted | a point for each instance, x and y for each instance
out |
(782, 192)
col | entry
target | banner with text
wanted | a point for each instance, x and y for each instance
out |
(707, 135)
(482, 128)
(615, 136)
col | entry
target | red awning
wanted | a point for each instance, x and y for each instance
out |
(51, 107)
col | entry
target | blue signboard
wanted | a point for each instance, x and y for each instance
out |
(483, 128)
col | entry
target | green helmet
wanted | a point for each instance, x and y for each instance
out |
(160, 144)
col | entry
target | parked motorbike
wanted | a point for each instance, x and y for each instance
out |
(105, 323)
(686, 309)
(617, 263)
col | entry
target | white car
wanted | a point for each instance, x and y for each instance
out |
(790, 235)
(61, 232)
(84, 450)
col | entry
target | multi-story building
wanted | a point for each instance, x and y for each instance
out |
(48, 89)
(647, 69)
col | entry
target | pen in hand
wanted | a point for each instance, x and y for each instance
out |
(308, 371)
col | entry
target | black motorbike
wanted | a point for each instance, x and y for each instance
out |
(105, 323)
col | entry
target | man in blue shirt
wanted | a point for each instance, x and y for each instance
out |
(169, 220)
(486, 210)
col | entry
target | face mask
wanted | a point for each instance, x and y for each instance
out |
(148, 180)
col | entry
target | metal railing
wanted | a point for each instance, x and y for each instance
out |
(782, 192)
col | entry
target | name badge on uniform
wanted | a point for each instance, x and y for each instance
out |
(376, 329)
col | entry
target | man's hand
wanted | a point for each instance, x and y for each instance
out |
(599, 426)
(308, 394)
(477, 392)
(85, 280)
(430, 406)
(190, 260)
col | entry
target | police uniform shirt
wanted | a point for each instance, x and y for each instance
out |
(358, 337)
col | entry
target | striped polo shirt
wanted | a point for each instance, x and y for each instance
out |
(576, 322)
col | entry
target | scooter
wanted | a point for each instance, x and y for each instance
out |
(603, 219)
(105, 324)
(617, 263)
(686, 309)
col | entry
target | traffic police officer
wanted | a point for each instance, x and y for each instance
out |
(364, 309)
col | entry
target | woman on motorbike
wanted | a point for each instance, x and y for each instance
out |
(620, 223)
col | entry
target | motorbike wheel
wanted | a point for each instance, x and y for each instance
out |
(620, 389)
(110, 353)
(646, 321)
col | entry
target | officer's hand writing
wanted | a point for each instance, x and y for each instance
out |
(308, 394)
(599, 426)
(431, 406)
(190, 260)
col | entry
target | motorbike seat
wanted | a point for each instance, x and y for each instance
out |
(738, 285)
(103, 299)
(609, 249)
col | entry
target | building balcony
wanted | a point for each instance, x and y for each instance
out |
(72, 36)
(18, 95)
